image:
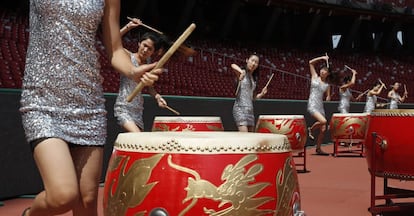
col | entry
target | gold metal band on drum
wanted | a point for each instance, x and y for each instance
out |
(274, 143)
(393, 112)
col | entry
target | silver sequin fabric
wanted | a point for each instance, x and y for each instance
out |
(243, 112)
(370, 103)
(395, 98)
(129, 111)
(62, 93)
(344, 101)
(315, 101)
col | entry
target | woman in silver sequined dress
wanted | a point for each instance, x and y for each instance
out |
(243, 112)
(130, 114)
(62, 102)
(394, 97)
(319, 87)
(345, 92)
(371, 101)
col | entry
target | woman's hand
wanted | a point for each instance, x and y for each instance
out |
(161, 102)
(145, 74)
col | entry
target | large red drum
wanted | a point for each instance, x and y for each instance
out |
(187, 123)
(394, 149)
(293, 126)
(348, 127)
(201, 173)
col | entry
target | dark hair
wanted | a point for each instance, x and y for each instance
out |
(156, 39)
(347, 79)
(256, 72)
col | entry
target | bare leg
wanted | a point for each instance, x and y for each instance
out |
(243, 128)
(88, 165)
(56, 167)
(130, 126)
(321, 124)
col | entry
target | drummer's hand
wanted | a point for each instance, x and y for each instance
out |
(135, 22)
(242, 74)
(354, 71)
(264, 91)
(141, 74)
(161, 102)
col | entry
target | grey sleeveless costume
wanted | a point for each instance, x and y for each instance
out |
(129, 111)
(344, 102)
(395, 98)
(370, 104)
(62, 93)
(315, 101)
(243, 112)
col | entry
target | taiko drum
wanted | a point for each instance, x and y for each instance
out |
(348, 127)
(201, 173)
(187, 123)
(293, 126)
(392, 149)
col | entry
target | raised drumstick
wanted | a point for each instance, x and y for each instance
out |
(187, 51)
(347, 67)
(327, 61)
(382, 83)
(405, 90)
(147, 26)
(164, 59)
(270, 79)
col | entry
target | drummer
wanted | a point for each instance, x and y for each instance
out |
(371, 101)
(394, 97)
(247, 78)
(345, 93)
(130, 114)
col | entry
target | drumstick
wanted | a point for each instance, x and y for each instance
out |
(382, 83)
(147, 26)
(164, 58)
(347, 67)
(238, 87)
(270, 79)
(327, 61)
(182, 49)
(172, 110)
(405, 90)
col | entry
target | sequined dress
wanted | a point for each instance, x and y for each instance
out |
(344, 102)
(243, 112)
(62, 93)
(370, 103)
(395, 98)
(315, 101)
(129, 111)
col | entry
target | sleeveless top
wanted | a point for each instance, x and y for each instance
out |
(243, 112)
(62, 93)
(395, 98)
(315, 101)
(370, 104)
(129, 111)
(344, 102)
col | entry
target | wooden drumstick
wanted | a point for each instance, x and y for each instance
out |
(187, 51)
(382, 83)
(405, 90)
(327, 61)
(164, 59)
(270, 79)
(347, 67)
(147, 26)
(172, 110)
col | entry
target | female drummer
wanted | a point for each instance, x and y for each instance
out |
(319, 87)
(243, 106)
(345, 92)
(394, 97)
(130, 114)
(371, 101)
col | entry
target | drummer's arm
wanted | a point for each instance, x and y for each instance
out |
(161, 102)
(328, 94)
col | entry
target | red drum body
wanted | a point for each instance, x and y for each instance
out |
(293, 126)
(187, 123)
(201, 173)
(349, 127)
(393, 152)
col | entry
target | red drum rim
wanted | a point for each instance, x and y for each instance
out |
(281, 117)
(187, 119)
(393, 112)
(350, 114)
(202, 142)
